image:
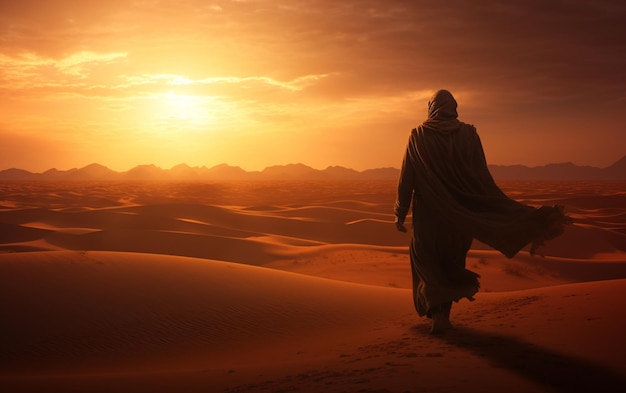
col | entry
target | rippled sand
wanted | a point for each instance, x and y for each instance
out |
(293, 286)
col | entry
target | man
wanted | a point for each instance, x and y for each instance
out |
(445, 178)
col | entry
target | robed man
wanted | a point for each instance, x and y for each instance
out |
(454, 200)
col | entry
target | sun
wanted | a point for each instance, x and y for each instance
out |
(183, 107)
(179, 112)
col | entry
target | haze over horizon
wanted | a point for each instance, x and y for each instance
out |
(255, 83)
(292, 164)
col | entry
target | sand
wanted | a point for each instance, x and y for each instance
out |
(293, 286)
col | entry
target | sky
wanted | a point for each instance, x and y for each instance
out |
(256, 83)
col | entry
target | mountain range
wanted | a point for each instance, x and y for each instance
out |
(224, 172)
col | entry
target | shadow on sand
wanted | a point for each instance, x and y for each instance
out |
(556, 371)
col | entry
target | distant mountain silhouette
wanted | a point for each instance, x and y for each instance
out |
(146, 172)
(17, 174)
(223, 172)
(618, 169)
(562, 171)
(292, 172)
(339, 172)
(227, 172)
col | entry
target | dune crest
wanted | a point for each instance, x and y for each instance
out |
(112, 311)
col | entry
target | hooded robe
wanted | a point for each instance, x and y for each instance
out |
(454, 198)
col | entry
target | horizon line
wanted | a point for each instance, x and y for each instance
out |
(285, 165)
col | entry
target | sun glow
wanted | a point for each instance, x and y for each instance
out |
(175, 113)
(189, 108)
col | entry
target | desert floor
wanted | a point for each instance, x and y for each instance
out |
(294, 287)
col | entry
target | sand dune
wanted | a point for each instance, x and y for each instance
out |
(116, 317)
(148, 311)
(198, 230)
(279, 287)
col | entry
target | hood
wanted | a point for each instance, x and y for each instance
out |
(442, 114)
(442, 106)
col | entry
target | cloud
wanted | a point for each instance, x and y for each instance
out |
(522, 50)
(296, 84)
(30, 75)
(316, 64)
(53, 29)
(78, 63)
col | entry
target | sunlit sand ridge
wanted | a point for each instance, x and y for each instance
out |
(293, 286)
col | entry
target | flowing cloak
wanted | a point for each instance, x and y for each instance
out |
(445, 169)
(455, 199)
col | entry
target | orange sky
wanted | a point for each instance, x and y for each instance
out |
(258, 83)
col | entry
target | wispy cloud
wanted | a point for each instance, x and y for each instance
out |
(31, 71)
(532, 48)
(296, 84)
(336, 68)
